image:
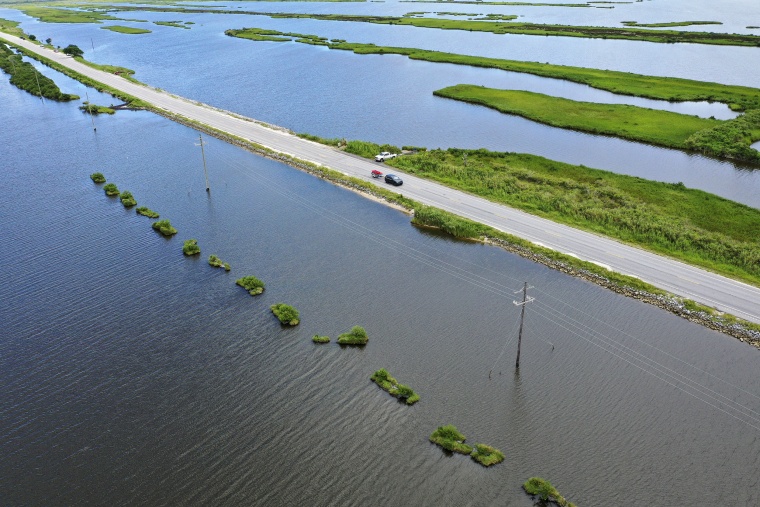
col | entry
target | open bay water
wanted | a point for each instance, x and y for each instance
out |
(134, 375)
(388, 98)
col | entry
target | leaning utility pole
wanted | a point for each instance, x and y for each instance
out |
(522, 303)
(203, 154)
(89, 108)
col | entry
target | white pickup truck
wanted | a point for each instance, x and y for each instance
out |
(382, 157)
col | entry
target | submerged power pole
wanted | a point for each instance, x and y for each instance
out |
(522, 303)
(203, 154)
(89, 108)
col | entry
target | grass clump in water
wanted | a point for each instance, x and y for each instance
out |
(286, 314)
(450, 439)
(487, 455)
(127, 199)
(403, 392)
(125, 29)
(98, 177)
(111, 189)
(320, 339)
(216, 262)
(88, 108)
(147, 212)
(544, 490)
(357, 336)
(164, 227)
(253, 285)
(190, 247)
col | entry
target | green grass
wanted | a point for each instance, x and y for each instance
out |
(739, 98)
(147, 212)
(125, 29)
(98, 177)
(286, 314)
(320, 339)
(175, 24)
(164, 227)
(216, 262)
(450, 439)
(88, 108)
(544, 490)
(669, 24)
(11, 27)
(691, 225)
(190, 247)
(356, 336)
(24, 76)
(62, 15)
(127, 199)
(392, 386)
(477, 2)
(730, 139)
(253, 285)
(487, 455)
(640, 124)
(111, 189)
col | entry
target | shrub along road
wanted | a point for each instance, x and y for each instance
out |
(737, 298)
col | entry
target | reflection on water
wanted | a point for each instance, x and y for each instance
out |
(131, 374)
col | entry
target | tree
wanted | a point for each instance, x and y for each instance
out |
(72, 50)
(48, 40)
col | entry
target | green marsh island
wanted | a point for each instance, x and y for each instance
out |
(450, 439)
(190, 247)
(392, 386)
(127, 199)
(111, 189)
(98, 178)
(164, 227)
(356, 336)
(216, 262)
(286, 314)
(25, 77)
(147, 212)
(320, 339)
(545, 492)
(253, 285)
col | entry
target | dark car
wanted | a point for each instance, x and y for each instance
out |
(393, 180)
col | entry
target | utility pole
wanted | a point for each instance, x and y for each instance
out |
(89, 108)
(203, 154)
(38, 83)
(522, 303)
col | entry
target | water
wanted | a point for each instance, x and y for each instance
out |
(388, 98)
(133, 375)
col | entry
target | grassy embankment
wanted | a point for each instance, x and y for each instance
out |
(544, 490)
(392, 386)
(739, 98)
(721, 138)
(25, 77)
(125, 29)
(597, 32)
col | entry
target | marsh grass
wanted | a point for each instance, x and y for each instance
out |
(216, 262)
(98, 178)
(286, 314)
(486, 455)
(88, 108)
(450, 439)
(253, 285)
(640, 124)
(356, 336)
(544, 490)
(24, 76)
(190, 247)
(392, 386)
(164, 227)
(320, 339)
(125, 29)
(147, 212)
(127, 199)
(111, 189)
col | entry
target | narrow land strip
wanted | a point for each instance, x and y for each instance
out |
(717, 291)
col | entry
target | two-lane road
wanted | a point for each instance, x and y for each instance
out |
(708, 288)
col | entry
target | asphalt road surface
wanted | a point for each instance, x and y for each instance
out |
(736, 298)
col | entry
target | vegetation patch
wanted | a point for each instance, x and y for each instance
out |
(11, 27)
(63, 15)
(25, 77)
(164, 227)
(403, 392)
(487, 455)
(543, 489)
(190, 247)
(147, 212)
(320, 339)
(671, 23)
(478, 2)
(738, 98)
(127, 199)
(286, 314)
(175, 24)
(88, 108)
(357, 336)
(111, 189)
(125, 29)
(216, 262)
(654, 126)
(98, 177)
(450, 439)
(730, 139)
(253, 285)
